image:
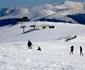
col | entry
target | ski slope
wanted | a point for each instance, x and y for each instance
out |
(14, 54)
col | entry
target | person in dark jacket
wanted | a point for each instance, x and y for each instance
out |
(39, 48)
(29, 44)
(81, 51)
(72, 49)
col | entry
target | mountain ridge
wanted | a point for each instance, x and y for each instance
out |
(45, 11)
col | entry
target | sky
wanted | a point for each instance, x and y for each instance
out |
(30, 3)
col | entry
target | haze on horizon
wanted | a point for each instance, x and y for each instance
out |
(30, 3)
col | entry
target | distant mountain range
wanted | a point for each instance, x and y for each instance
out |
(68, 11)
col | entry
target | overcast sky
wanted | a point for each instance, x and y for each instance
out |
(30, 3)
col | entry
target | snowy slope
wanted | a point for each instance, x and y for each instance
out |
(14, 54)
(9, 33)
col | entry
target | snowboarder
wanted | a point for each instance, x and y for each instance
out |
(72, 49)
(29, 44)
(81, 51)
(39, 48)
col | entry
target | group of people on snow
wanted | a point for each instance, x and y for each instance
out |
(72, 50)
(29, 44)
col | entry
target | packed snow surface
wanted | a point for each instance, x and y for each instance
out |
(55, 54)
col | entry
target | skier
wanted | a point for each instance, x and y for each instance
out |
(29, 44)
(39, 48)
(81, 51)
(72, 49)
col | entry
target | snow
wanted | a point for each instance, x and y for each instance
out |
(49, 12)
(70, 7)
(13, 12)
(15, 55)
(18, 57)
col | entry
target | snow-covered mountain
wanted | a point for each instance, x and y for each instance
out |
(58, 12)
(69, 7)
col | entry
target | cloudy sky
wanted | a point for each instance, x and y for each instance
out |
(30, 3)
